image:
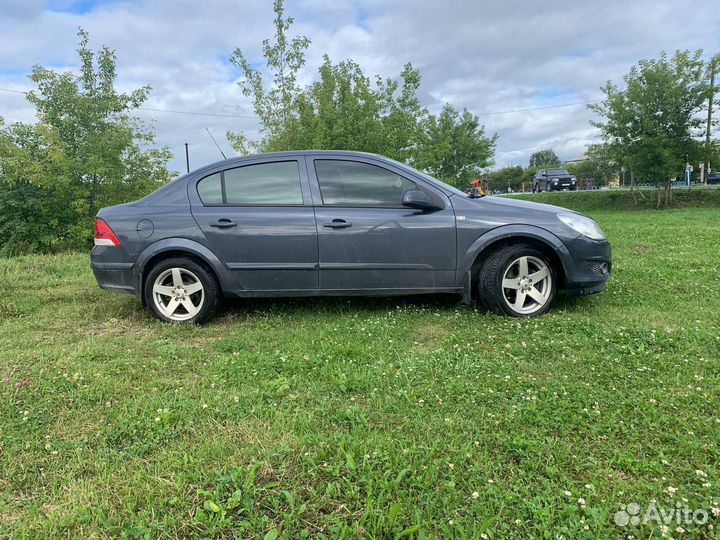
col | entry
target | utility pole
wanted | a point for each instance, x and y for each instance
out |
(187, 157)
(713, 66)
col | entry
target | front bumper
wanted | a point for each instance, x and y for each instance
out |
(562, 187)
(589, 266)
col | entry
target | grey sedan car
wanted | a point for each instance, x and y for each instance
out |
(317, 223)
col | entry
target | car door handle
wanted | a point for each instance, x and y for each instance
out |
(337, 224)
(223, 223)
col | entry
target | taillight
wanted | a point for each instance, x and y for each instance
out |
(104, 236)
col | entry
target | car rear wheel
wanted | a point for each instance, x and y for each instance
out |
(179, 290)
(517, 280)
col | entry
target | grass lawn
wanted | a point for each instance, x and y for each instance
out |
(367, 418)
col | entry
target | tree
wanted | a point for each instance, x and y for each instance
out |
(453, 146)
(653, 123)
(277, 106)
(86, 152)
(345, 110)
(544, 158)
(37, 196)
(600, 165)
(507, 178)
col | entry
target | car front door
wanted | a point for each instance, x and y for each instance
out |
(367, 239)
(258, 219)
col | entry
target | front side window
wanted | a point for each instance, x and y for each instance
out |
(264, 184)
(351, 183)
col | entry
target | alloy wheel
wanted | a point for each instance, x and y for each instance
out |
(527, 285)
(178, 294)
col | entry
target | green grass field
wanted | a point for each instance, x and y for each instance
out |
(367, 418)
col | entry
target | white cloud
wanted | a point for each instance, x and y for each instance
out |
(486, 56)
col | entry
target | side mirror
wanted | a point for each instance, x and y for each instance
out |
(418, 199)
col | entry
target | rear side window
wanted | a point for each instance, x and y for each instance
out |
(210, 189)
(352, 183)
(265, 184)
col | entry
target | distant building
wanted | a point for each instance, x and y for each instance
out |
(577, 160)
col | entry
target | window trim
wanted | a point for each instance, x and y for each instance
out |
(225, 204)
(348, 160)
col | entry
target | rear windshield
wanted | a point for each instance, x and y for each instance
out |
(557, 172)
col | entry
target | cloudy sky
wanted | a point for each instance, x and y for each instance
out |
(517, 64)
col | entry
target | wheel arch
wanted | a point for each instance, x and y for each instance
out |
(178, 247)
(500, 237)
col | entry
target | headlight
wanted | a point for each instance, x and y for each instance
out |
(583, 225)
(555, 180)
(572, 179)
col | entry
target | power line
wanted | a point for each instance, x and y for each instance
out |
(224, 115)
(197, 113)
(540, 108)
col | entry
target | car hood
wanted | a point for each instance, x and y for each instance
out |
(520, 204)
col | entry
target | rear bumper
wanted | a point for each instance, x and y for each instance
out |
(115, 277)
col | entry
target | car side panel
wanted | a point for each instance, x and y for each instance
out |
(480, 224)
(384, 248)
(269, 248)
(145, 228)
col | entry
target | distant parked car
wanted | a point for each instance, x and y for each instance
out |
(319, 223)
(554, 180)
(713, 178)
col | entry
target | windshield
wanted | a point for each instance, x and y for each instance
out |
(557, 172)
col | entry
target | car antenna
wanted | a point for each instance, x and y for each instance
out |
(216, 144)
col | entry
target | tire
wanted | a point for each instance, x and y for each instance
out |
(504, 267)
(179, 290)
(535, 188)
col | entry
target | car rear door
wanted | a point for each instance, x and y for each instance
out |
(258, 218)
(367, 239)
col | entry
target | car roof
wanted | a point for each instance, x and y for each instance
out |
(296, 153)
(211, 168)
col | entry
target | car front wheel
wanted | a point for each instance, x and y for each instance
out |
(517, 280)
(179, 290)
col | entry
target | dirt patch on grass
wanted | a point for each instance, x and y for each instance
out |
(428, 336)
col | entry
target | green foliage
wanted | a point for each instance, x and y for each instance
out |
(508, 178)
(38, 201)
(85, 153)
(652, 124)
(623, 199)
(453, 147)
(328, 418)
(600, 165)
(544, 158)
(346, 109)
(277, 106)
